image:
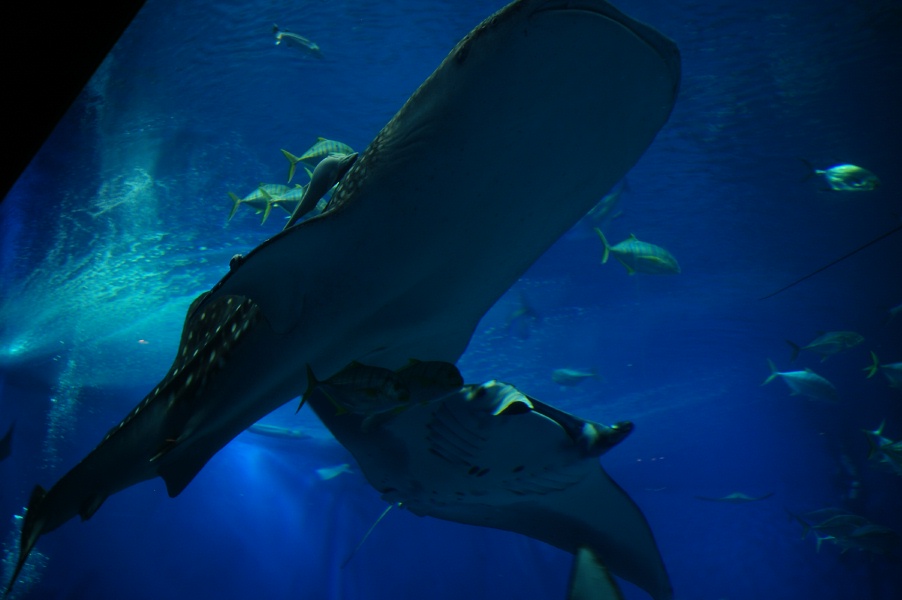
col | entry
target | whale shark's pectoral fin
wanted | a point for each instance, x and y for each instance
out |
(179, 474)
(90, 506)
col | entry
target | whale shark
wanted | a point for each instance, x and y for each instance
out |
(408, 255)
(487, 454)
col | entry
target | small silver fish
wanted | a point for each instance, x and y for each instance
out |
(571, 377)
(274, 431)
(327, 473)
(297, 41)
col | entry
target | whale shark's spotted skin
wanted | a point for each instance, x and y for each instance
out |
(204, 350)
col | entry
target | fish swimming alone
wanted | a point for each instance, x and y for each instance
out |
(571, 377)
(807, 383)
(327, 473)
(408, 256)
(640, 257)
(274, 431)
(846, 178)
(827, 344)
(296, 41)
(489, 455)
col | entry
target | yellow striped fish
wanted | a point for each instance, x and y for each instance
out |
(640, 257)
(318, 151)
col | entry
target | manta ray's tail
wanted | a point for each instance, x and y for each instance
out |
(367, 534)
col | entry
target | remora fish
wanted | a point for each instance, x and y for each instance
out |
(327, 173)
(408, 256)
(295, 40)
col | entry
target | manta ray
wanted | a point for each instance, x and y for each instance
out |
(435, 220)
(490, 455)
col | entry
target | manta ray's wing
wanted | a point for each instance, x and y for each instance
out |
(590, 579)
(517, 470)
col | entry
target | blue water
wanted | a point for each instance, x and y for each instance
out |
(121, 220)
